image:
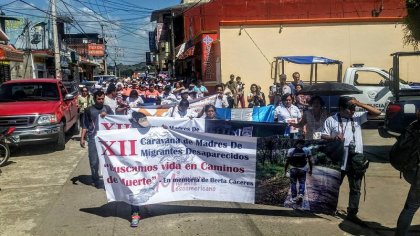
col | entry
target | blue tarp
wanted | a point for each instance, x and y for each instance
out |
(309, 60)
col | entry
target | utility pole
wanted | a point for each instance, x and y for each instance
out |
(55, 38)
(29, 48)
(173, 43)
(104, 57)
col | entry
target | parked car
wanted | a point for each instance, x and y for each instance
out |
(42, 110)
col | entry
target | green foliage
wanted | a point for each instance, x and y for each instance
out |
(412, 23)
(269, 171)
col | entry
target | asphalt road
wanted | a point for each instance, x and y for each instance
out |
(49, 193)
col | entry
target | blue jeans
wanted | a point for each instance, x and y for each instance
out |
(297, 175)
(412, 204)
(93, 159)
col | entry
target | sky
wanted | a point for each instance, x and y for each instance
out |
(126, 22)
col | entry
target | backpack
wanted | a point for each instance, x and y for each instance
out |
(405, 153)
(298, 158)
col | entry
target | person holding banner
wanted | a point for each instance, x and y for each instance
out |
(138, 120)
(346, 126)
(90, 126)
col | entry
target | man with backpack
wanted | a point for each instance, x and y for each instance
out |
(345, 126)
(298, 159)
(405, 157)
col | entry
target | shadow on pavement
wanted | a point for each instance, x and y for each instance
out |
(9, 162)
(84, 179)
(116, 208)
(35, 149)
(374, 228)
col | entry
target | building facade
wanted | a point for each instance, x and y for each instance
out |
(249, 34)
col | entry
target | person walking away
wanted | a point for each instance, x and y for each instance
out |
(412, 175)
(232, 86)
(240, 88)
(90, 127)
(346, 126)
(298, 159)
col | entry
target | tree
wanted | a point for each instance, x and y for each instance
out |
(412, 23)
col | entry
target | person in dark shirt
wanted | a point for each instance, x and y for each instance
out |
(90, 126)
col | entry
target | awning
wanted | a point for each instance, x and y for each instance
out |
(309, 60)
(42, 53)
(187, 53)
(8, 53)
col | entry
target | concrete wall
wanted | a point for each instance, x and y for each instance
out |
(368, 43)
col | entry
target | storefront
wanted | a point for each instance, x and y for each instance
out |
(10, 58)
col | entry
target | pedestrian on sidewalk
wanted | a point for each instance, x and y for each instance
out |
(90, 126)
(412, 204)
(346, 126)
(298, 158)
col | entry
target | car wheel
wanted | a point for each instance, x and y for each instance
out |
(61, 140)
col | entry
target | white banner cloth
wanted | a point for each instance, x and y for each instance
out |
(123, 122)
(154, 165)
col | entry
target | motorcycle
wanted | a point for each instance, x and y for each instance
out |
(5, 140)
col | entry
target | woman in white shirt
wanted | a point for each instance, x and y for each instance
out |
(286, 112)
(134, 99)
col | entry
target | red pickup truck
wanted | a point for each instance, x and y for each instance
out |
(41, 110)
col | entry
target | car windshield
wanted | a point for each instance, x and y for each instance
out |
(29, 92)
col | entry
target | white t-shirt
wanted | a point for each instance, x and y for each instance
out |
(111, 103)
(221, 103)
(283, 113)
(332, 128)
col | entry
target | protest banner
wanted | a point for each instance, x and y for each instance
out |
(154, 165)
(145, 166)
(111, 122)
